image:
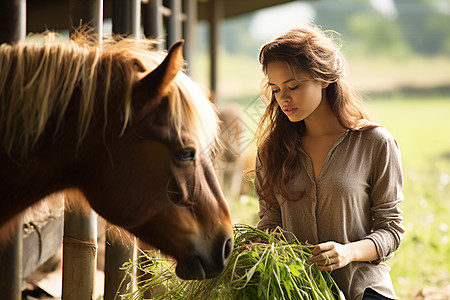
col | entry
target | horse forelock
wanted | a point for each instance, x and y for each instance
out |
(191, 110)
(37, 82)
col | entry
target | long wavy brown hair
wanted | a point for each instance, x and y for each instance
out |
(313, 51)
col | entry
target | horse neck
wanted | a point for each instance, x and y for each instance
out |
(25, 183)
(56, 164)
(51, 167)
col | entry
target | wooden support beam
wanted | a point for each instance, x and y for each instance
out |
(215, 17)
(174, 22)
(121, 17)
(86, 12)
(153, 20)
(189, 32)
(135, 26)
(12, 20)
(126, 17)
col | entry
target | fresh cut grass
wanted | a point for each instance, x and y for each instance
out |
(270, 268)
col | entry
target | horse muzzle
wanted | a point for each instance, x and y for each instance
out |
(201, 266)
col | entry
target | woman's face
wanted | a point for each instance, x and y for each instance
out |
(298, 95)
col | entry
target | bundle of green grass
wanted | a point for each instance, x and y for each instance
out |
(272, 268)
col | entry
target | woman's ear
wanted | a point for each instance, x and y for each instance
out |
(325, 85)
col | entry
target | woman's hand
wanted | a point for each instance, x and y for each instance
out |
(331, 256)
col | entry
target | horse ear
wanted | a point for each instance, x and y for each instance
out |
(159, 79)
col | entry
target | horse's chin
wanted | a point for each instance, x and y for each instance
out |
(192, 268)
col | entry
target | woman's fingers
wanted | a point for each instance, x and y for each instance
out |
(331, 256)
(329, 265)
(325, 257)
(321, 259)
(322, 252)
(322, 247)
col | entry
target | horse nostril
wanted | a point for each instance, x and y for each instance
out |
(228, 246)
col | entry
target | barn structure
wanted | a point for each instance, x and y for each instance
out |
(170, 19)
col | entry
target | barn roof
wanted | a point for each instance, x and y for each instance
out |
(54, 14)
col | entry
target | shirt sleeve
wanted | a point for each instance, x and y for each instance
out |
(269, 211)
(386, 195)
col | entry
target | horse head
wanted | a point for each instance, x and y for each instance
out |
(155, 178)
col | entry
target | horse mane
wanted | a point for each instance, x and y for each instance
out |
(37, 83)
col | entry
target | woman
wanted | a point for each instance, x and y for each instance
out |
(324, 172)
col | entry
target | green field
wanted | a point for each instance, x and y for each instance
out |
(422, 129)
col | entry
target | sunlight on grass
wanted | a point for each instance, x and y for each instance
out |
(421, 127)
(386, 74)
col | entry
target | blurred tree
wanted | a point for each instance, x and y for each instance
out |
(334, 14)
(237, 38)
(373, 34)
(425, 24)
(421, 26)
(439, 26)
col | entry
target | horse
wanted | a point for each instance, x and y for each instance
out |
(124, 126)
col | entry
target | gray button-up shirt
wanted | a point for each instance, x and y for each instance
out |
(356, 196)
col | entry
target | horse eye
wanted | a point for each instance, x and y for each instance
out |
(185, 154)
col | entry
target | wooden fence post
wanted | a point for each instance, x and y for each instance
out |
(80, 230)
(11, 266)
(12, 29)
(79, 255)
(126, 20)
(116, 254)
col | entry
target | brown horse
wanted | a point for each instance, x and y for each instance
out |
(124, 126)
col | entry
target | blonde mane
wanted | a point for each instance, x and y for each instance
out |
(37, 83)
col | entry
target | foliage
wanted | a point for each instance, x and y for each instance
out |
(425, 24)
(420, 27)
(273, 268)
(372, 34)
